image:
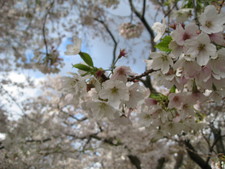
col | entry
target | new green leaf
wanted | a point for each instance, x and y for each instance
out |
(82, 67)
(86, 58)
(164, 44)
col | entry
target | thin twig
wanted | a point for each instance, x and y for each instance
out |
(195, 12)
(43, 29)
(146, 73)
(221, 5)
(113, 39)
(145, 23)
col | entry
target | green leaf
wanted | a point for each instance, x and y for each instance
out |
(158, 96)
(86, 58)
(173, 89)
(82, 67)
(155, 96)
(199, 116)
(164, 44)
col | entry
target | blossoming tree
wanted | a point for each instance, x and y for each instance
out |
(169, 116)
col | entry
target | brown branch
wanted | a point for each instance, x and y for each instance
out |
(195, 157)
(145, 23)
(143, 8)
(44, 27)
(195, 12)
(3, 3)
(219, 141)
(38, 140)
(135, 161)
(179, 159)
(170, 10)
(221, 5)
(113, 39)
(146, 73)
(161, 163)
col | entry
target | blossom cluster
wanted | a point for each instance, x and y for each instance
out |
(115, 97)
(193, 64)
(196, 56)
(189, 66)
(129, 30)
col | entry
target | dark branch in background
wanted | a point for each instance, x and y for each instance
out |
(1, 146)
(147, 81)
(219, 141)
(143, 8)
(195, 12)
(43, 30)
(179, 159)
(13, 99)
(3, 3)
(38, 140)
(221, 5)
(145, 23)
(161, 163)
(110, 141)
(135, 161)
(195, 157)
(113, 39)
(170, 10)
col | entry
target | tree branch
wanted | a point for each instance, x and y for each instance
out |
(43, 30)
(113, 39)
(135, 161)
(145, 23)
(143, 8)
(218, 140)
(161, 163)
(146, 73)
(195, 157)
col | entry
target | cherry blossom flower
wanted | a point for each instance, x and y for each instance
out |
(190, 69)
(136, 94)
(160, 29)
(182, 15)
(175, 100)
(180, 35)
(149, 115)
(129, 30)
(217, 64)
(74, 89)
(115, 91)
(200, 48)
(161, 61)
(102, 109)
(73, 49)
(176, 49)
(218, 38)
(211, 21)
(121, 73)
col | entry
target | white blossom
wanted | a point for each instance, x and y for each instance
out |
(180, 35)
(115, 91)
(211, 21)
(73, 49)
(102, 109)
(160, 29)
(200, 48)
(162, 61)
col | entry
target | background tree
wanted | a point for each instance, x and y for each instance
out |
(57, 131)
